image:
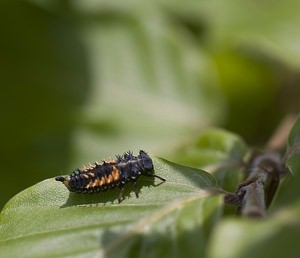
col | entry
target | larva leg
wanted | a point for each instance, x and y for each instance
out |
(121, 197)
(136, 190)
(159, 177)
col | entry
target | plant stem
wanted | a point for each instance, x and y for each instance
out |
(254, 204)
(261, 185)
(254, 195)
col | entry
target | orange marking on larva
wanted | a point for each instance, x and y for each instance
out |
(96, 183)
(109, 179)
(86, 176)
(115, 174)
(92, 174)
(102, 181)
(105, 179)
(90, 184)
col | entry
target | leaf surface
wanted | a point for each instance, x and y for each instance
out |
(46, 220)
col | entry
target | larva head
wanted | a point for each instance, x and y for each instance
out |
(64, 180)
(145, 161)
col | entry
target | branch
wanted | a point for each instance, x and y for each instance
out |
(255, 194)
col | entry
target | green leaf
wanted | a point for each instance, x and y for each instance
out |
(46, 220)
(213, 146)
(217, 151)
(294, 137)
(289, 191)
(275, 237)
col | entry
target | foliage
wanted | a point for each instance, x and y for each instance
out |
(182, 216)
(84, 80)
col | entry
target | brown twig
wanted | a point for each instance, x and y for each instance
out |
(254, 195)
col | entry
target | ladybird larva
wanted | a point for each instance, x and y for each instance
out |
(110, 174)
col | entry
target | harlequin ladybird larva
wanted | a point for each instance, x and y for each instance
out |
(110, 174)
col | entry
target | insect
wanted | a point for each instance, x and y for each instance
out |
(110, 174)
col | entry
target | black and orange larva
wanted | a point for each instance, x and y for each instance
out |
(110, 174)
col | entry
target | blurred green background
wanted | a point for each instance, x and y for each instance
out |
(84, 80)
